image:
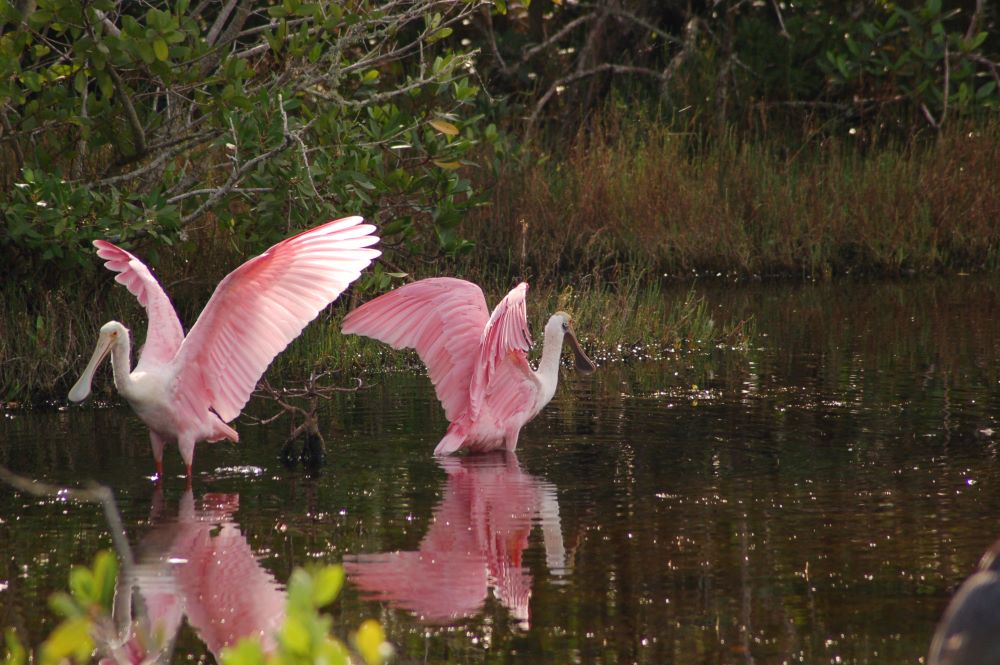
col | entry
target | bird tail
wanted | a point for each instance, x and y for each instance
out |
(452, 441)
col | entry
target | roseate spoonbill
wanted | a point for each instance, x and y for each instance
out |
(969, 631)
(187, 388)
(475, 543)
(476, 361)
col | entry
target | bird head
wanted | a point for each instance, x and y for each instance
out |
(562, 323)
(111, 333)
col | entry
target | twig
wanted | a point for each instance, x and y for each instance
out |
(94, 493)
(781, 20)
(237, 174)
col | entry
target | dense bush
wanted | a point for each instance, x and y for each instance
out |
(880, 68)
(127, 120)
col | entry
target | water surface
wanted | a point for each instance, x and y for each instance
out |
(816, 499)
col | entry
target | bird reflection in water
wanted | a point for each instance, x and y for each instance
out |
(200, 566)
(474, 544)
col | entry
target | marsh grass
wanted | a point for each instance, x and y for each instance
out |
(43, 352)
(640, 194)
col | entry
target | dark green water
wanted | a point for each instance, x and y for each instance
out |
(815, 500)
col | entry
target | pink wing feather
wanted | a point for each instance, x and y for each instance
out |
(163, 333)
(442, 318)
(506, 336)
(260, 307)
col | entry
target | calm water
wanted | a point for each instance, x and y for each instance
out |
(815, 500)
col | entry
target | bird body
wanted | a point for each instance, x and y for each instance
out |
(186, 389)
(477, 361)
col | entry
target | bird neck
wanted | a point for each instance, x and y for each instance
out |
(548, 366)
(121, 363)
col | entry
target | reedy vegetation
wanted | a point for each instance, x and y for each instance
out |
(638, 193)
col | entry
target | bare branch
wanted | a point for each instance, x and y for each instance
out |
(220, 21)
(579, 75)
(138, 135)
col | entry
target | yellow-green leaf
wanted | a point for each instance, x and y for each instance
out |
(326, 585)
(444, 127)
(295, 636)
(370, 642)
(160, 49)
(71, 638)
(245, 652)
(451, 166)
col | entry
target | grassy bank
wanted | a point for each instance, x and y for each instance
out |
(43, 354)
(638, 194)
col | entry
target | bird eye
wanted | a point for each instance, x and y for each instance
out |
(565, 326)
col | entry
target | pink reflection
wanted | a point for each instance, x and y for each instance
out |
(201, 567)
(474, 544)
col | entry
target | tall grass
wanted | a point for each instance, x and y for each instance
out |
(639, 194)
(42, 354)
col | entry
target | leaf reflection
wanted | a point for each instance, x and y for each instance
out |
(474, 544)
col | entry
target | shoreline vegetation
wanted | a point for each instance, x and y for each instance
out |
(619, 231)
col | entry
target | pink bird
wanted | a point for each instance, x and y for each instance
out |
(476, 361)
(186, 389)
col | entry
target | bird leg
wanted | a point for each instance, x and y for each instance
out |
(510, 439)
(186, 446)
(156, 441)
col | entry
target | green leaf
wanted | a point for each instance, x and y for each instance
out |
(144, 50)
(327, 582)
(105, 576)
(81, 585)
(16, 654)
(976, 41)
(438, 35)
(160, 49)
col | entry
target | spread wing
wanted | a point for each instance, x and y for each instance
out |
(442, 318)
(260, 307)
(506, 337)
(164, 333)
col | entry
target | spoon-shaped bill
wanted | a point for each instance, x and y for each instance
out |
(81, 388)
(583, 363)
